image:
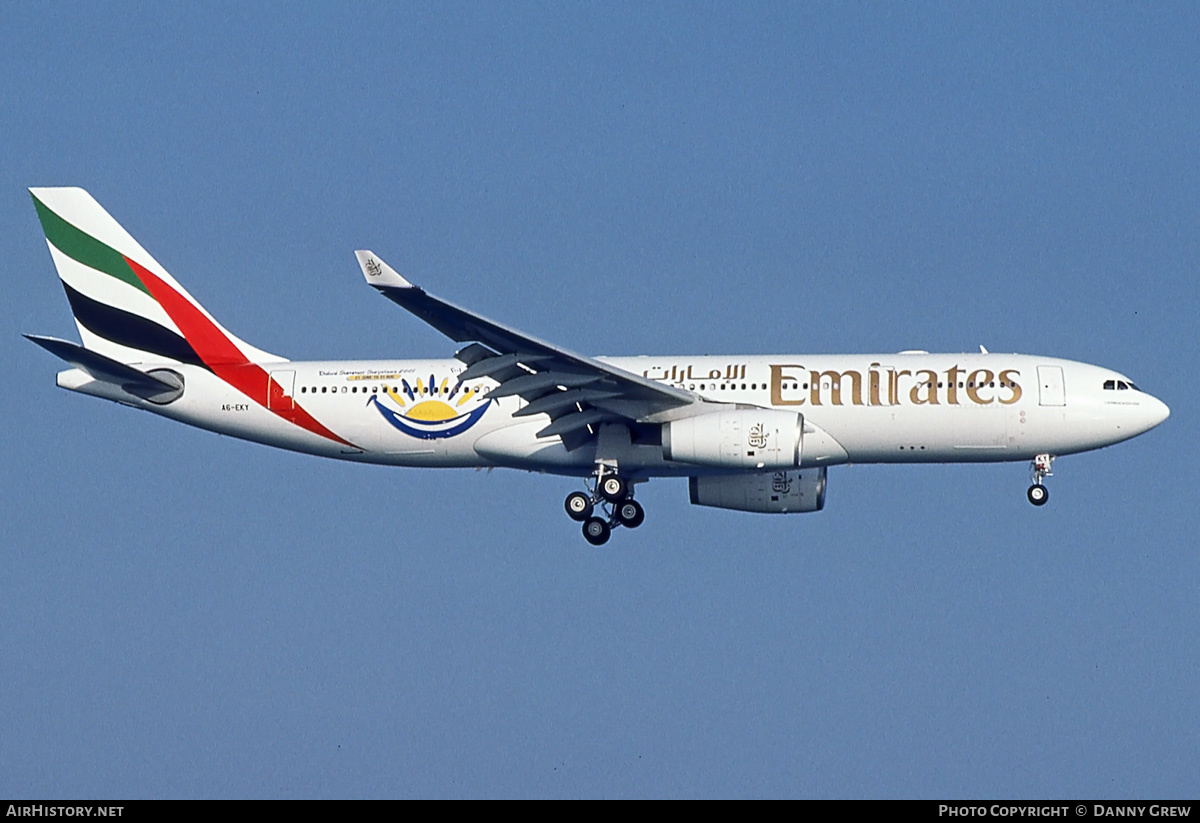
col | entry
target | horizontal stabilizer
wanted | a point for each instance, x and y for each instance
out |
(106, 369)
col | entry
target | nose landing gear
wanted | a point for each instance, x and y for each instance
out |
(1039, 469)
(613, 495)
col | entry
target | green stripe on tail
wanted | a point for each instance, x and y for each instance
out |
(84, 248)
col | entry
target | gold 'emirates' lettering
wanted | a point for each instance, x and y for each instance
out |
(1006, 381)
(976, 380)
(873, 386)
(816, 379)
(930, 386)
(778, 377)
(928, 389)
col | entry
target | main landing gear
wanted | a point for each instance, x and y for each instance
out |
(1039, 468)
(613, 495)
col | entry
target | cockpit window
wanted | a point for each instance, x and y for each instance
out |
(1122, 385)
(1119, 385)
(1109, 385)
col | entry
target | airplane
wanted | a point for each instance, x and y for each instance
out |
(754, 433)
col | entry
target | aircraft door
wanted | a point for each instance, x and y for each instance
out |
(1051, 389)
(280, 390)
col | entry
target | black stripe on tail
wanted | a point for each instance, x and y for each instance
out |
(128, 329)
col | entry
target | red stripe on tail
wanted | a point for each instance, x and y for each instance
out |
(224, 358)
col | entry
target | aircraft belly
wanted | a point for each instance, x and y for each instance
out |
(518, 446)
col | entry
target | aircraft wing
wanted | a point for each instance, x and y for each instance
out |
(577, 392)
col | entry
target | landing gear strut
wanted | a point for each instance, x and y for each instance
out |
(610, 494)
(1039, 469)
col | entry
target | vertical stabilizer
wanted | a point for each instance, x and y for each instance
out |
(126, 305)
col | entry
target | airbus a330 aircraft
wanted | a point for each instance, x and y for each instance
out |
(752, 433)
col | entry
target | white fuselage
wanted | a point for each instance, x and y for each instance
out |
(896, 408)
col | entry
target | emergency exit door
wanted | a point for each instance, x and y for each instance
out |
(1051, 390)
(279, 391)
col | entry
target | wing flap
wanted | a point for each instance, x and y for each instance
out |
(578, 420)
(552, 403)
(536, 384)
(495, 365)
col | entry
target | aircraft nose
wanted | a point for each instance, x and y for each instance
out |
(1156, 411)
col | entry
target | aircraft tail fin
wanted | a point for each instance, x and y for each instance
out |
(126, 305)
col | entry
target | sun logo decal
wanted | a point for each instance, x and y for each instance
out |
(429, 411)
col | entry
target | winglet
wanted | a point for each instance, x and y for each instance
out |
(379, 273)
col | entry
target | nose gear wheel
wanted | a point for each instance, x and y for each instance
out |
(1039, 469)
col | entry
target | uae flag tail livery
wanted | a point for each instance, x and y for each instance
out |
(130, 311)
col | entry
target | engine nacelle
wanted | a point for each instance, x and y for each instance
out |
(766, 492)
(737, 439)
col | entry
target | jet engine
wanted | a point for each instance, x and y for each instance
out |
(750, 438)
(778, 492)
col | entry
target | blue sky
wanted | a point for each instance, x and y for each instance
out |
(187, 615)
